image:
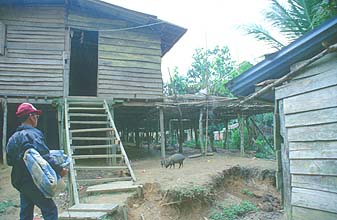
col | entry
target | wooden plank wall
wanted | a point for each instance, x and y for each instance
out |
(129, 63)
(310, 110)
(33, 61)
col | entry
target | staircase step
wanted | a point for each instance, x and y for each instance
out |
(85, 109)
(77, 157)
(89, 122)
(109, 208)
(122, 186)
(87, 115)
(91, 138)
(76, 215)
(94, 146)
(100, 167)
(91, 130)
(105, 180)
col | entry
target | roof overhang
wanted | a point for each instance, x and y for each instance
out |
(278, 64)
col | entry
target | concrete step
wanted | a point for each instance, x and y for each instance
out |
(88, 211)
(120, 186)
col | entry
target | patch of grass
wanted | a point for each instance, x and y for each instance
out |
(247, 192)
(4, 205)
(233, 212)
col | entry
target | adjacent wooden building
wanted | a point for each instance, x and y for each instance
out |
(54, 49)
(305, 121)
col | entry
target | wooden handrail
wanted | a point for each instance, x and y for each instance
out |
(112, 123)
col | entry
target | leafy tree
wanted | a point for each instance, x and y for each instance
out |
(291, 20)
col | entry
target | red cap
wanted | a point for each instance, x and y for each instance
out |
(25, 109)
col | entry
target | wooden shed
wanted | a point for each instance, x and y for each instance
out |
(305, 121)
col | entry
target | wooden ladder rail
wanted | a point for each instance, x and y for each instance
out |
(71, 166)
(112, 123)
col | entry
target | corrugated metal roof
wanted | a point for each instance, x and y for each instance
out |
(169, 33)
(278, 64)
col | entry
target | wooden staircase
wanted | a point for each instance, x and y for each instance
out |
(97, 154)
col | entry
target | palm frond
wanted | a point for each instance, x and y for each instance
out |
(260, 33)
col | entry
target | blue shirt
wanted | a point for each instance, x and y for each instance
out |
(24, 138)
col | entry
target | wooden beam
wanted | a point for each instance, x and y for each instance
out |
(162, 132)
(4, 131)
(242, 134)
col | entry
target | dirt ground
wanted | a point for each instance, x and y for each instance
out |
(157, 180)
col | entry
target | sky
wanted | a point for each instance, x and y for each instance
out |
(209, 23)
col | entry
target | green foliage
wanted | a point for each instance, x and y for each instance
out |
(233, 212)
(211, 69)
(4, 205)
(291, 20)
(247, 192)
(191, 192)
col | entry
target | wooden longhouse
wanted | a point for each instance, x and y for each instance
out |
(78, 48)
(305, 120)
(75, 59)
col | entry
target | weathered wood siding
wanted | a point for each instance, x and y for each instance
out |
(33, 60)
(129, 61)
(310, 123)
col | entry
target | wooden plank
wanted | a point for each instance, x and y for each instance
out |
(322, 183)
(72, 215)
(97, 156)
(124, 63)
(324, 132)
(320, 80)
(103, 146)
(91, 130)
(35, 46)
(136, 78)
(114, 84)
(144, 76)
(2, 38)
(30, 61)
(85, 109)
(130, 57)
(300, 213)
(285, 162)
(127, 70)
(94, 207)
(108, 94)
(312, 118)
(86, 115)
(105, 180)
(100, 167)
(128, 50)
(321, 99)
(85, 18)
(307, 198)
(91, 138)
(132, 43)
(88, 122)
(314, 167)
(313, 150)
(324, 64)
(113, 187)
(133, 91)
(132, 35)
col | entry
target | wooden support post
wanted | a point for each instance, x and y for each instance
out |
(113, 149)
(277, 147)
(162, 132)
(60, 115)
(242, 134)
(181, 132)
(226, 134)
(201, 133)
(4, 131)
(171, 132)
(195, 129)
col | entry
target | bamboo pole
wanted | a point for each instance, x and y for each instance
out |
(242, 134)
(201, 133)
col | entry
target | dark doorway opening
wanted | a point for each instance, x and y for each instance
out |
(83, 63)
